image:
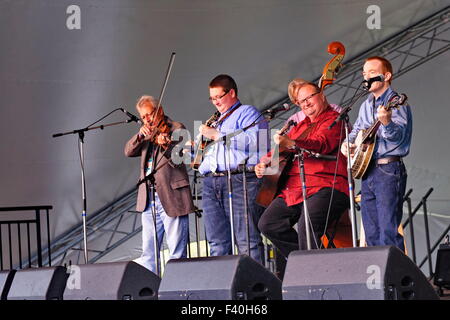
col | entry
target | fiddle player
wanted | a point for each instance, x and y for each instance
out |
(384, 183)
(173, 197)
(326, 180)
(243, 150)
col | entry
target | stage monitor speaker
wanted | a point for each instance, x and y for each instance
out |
(111, 281)
(6, 278)
(442, 271)
(218, 278)
(38, 284)
(372, 273)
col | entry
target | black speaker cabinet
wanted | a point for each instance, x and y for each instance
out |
(38, 284)
(372, 273)
(6, 278)
(442, 271)
(111, 281)
(218, 278)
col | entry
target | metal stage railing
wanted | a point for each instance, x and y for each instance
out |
(32, 230)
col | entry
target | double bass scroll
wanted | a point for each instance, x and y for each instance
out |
(333, 66)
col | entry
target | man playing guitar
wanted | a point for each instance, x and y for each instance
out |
(384, 181)
(326, 180)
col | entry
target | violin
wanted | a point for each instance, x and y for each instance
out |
(158, 125)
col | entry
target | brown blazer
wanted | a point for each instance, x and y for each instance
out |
(172, 181)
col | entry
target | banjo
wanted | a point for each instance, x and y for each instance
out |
(366, 140)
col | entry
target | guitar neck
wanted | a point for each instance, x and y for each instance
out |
(371, 131)
(394, 102)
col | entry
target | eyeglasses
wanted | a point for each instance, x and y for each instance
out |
(218, 98)
(301, 102)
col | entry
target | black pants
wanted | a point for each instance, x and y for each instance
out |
(278, 220)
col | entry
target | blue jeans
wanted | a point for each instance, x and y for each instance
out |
(382, 191)
(216, 211)
(175, 228)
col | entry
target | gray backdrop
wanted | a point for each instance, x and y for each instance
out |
(54, 79)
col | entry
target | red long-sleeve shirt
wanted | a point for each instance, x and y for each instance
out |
(319, 173)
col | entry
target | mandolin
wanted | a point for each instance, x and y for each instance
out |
(366, 140)
(202, 143)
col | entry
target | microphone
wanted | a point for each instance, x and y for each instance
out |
(131, 116)
(315, 154)
(323, 156)
(368, 83)
(284, 107)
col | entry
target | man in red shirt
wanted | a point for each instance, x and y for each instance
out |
(326, 180)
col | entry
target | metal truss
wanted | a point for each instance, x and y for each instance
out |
(107, 228)
(114, 224)
(111, 226)
(406, 50)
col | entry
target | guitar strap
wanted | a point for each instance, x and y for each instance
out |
(210, 142)
(374, 110)
(220, 121)
(305, 133)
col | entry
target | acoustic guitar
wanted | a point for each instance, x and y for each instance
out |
(366, 140)
(272, 180)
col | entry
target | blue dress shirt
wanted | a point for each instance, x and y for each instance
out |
(393, 139)
(250, 144)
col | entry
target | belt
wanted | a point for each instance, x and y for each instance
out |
(234, 171)
(387, 160)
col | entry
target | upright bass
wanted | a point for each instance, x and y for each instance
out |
(279, 161)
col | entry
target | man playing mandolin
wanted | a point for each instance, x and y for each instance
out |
(384, 181)
(242, 149)
(326, 180)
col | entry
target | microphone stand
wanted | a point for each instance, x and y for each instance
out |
(226, 142)
(198, 215)
(151, 178)
(343, 116)
(301, 165)
(80, 133)
(247, 223)
(351, 188)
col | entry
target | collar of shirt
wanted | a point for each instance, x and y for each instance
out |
(384, 98)
(320, 116)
